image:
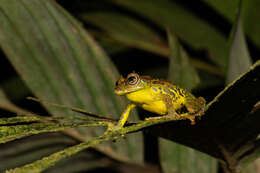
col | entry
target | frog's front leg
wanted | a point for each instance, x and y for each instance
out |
(123, 118)
(125, 114)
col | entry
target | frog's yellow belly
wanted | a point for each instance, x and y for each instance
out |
(157, 107)
(148, 100)
(152, 101)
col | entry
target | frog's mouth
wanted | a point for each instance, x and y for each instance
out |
(118, 92)
(121, 92)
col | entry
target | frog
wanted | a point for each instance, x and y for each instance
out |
(158, 96)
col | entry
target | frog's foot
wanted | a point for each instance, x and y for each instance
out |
(113, 128)
(186, 116)
(176, 117)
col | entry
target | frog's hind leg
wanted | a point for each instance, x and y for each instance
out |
(186, 116)
(196, 107)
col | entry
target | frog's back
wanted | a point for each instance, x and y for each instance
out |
(177, 95)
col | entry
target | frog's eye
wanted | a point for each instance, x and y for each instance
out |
(117, 82)
(132, 80)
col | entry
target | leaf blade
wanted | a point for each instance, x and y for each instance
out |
(127, 30)
(181, 71)
(239, 58)
(60, 62)
(169, 13)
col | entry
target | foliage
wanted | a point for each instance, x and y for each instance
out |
(58, 60)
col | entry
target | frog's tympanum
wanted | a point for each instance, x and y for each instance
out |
(158, 96)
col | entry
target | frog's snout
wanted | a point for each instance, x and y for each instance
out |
(119, 87)
(118, 90)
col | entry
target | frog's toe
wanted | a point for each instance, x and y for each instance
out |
(116, 128)
(113, 128)
(187, 116)
(192, 120)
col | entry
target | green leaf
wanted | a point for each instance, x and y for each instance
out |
(112, 46)
(126, 30)
(239, 59)
(121, 30)
(181, 71)
(61, 63)
(46, 47)
(250, 14)
(188, 27)
(179, 158)
(227, 8)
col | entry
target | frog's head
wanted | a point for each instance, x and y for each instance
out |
(133, 82)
